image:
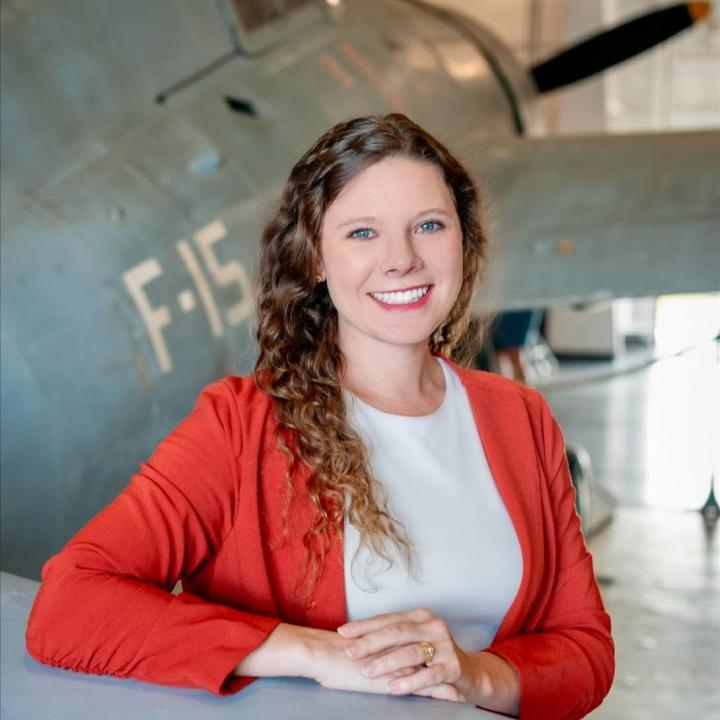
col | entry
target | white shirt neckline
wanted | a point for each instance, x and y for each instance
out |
(388, 416)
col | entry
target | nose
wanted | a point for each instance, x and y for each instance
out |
(401, 256)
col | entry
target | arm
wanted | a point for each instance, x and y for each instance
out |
(105, 604)
(492, 684)
(566, 664)
(562, 664)
(388, 643)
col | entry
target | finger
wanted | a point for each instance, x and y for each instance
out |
(357, 628)
(387, 638)
(427, 677)
(407, 656)
(404, 672)
(443, 691)
(400, 633)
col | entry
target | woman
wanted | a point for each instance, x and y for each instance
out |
(359, 474)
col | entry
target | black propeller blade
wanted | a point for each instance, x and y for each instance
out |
(611, 47)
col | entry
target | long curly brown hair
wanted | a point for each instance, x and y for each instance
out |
(300, 364)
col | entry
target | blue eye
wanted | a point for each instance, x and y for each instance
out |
(361, 234)
(430, 226)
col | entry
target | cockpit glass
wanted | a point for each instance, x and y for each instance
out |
(255, 14)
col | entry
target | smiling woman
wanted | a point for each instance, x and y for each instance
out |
(403, 260)
(362, 511)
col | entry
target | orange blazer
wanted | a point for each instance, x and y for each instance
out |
(207, 509)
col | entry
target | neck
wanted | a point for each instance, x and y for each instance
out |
(404, 379)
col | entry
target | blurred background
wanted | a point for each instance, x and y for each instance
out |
(648, 411)
(142, 148)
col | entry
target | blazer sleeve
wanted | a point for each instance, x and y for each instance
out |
(566, 664)
(105, 604)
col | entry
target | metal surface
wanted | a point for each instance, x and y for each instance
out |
(130, 228)
(640, 217)
(36, 692)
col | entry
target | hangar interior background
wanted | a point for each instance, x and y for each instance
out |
(653, 434)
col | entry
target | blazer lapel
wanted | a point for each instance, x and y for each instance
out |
(505, 429)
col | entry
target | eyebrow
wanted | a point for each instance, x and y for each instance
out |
(356, 221)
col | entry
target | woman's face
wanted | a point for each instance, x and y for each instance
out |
(391, 250)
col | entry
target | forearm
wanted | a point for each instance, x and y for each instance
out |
(287, 652)
(320, 655)
(491, 683)
(93, 621)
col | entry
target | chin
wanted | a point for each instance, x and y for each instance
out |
(405, 338)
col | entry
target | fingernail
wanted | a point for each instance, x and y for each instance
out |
(351, 651)
(395, 687)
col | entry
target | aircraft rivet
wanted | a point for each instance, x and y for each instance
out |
(117, 214)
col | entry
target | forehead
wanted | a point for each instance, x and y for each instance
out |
(395, 184)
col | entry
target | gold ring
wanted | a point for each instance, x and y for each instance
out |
(428, 650)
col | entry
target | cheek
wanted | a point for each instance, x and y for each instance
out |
(460, 266)
(454, 270)
(334, 257)
(341, 275)
(332, 268)
(347, 269)
(454, 262)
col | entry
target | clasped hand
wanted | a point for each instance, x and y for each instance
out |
(387, 651)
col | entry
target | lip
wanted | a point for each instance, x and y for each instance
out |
(412, 287)
(408, 306)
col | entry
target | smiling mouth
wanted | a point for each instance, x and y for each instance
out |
(402, 297)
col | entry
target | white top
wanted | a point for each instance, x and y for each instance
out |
(468, 557)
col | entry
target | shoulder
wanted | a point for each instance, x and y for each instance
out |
(512, 410)
(500, 391)
(233, 405)
(239, 390)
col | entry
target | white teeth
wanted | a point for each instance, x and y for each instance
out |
(403, 297)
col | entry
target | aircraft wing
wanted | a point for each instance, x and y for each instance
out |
(576, 219)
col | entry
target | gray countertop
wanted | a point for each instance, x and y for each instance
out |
(31, 690)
